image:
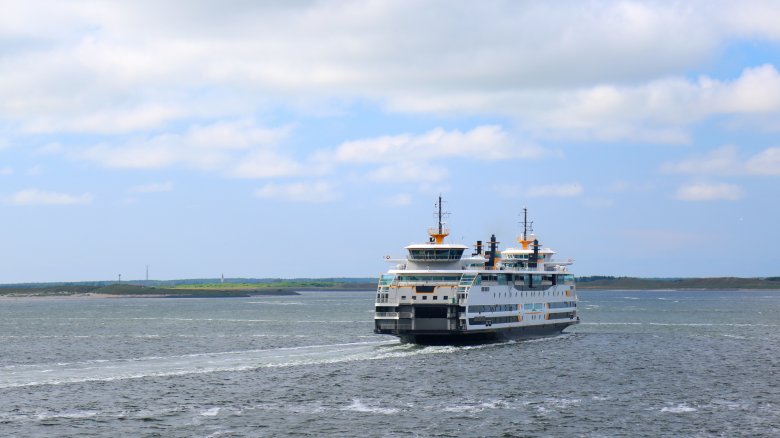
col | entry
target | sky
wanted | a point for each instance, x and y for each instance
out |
(312, 138)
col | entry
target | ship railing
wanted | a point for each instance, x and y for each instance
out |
(426, 283)
(405, 315)
(386, 315)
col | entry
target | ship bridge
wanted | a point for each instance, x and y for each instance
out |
(435, 252)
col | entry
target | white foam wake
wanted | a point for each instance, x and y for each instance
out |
(108, 370)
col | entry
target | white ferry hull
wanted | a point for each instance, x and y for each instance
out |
(450, 313)
(438, 296)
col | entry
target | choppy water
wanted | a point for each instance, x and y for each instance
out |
(640, 364)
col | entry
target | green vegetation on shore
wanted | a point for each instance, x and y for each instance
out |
(633, 283)
(255, 287)
(181, 288)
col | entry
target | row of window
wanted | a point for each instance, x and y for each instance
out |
(436, 254)
(430, 278)
(425, 297)
(526, 279)
(527, 307)
(562, 304)
(493, 308)
(533, 307)
(546, 293)
(492, 320)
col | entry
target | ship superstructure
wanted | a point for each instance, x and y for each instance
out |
(438, 295)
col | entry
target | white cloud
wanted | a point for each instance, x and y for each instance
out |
(727, 161)
(215, 146)
(41, 197)
(398, 200)
(658, 111)
(420, 158)
(409, 172)
(108, 121)
(487, 142)
(766, 162)
(152, 188)
(709, 192)
(559, 190)
(316, 192)
(723, 160)
(537, 191)
(5, 171)
(268, 164)
(134, 66)
(49, 149)
(131, 73)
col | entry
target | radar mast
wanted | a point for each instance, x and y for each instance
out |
(438, 234)
(526, 239)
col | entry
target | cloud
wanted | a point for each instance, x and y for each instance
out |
(141, 80)
(140, 66)
(409, 172)
(418, 158)
(559, 191)
(108, 121)
(49, 149)
(152, 188)
(766, 162)
(316, 192)
(726, 161)
(399, 200)
(268, 164)
(41, 197)
(538, 191)
(214, 146)
(5, 171)
(720, 161)
(486, 142)
(709, 192)
(658, 111)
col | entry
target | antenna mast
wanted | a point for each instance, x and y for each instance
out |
(527, 226)
(440, 227)
(439, 233)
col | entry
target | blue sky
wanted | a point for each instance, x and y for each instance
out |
(310, 139)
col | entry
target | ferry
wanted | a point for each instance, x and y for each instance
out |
(438, 295)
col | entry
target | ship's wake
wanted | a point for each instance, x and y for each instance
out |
(160, 366)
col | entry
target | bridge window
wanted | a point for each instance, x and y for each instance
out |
(436, 254)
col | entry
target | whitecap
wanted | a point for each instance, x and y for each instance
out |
(67, 415)
(563, 402)
(679, 409)
(478, 407)
(358, 406)
(210, 412)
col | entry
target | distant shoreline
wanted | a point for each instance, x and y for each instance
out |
(90, 295)
(246, 288)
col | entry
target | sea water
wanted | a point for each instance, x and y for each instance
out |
(662, 363)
